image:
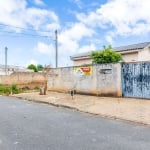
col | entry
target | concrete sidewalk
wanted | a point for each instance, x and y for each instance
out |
(137, 110)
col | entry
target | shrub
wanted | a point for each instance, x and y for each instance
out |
(15, 89)
(36, 88)
(107, 55)
(4, 90)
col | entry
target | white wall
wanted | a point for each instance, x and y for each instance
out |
(144, 55)
(130, 57)
(82, 62)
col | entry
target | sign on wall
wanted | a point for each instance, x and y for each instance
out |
(83, 71)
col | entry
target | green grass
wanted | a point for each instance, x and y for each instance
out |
(4, 90)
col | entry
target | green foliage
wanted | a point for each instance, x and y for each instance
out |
(8, 90)
(1, 88)
(32, 67)
(40, 67)
(15, 89)
(36, 88)
(107, 55)
(4, 90)
(35, 68)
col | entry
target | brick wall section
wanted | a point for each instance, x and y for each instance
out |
(25, 79)
(104, 81)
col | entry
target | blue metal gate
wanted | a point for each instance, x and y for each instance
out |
(136, 80)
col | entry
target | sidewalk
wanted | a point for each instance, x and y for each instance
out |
(137, 110)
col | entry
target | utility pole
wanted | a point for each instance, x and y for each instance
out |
(56, 49)
(6, 49)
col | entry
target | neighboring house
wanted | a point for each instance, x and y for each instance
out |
(7, 70)
(130, 53)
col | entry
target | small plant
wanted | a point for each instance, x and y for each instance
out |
(7, 90)
(4, 90)
(36, 88)
(15, 89)
(1, 89)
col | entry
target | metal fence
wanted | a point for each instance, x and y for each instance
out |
(136, 80)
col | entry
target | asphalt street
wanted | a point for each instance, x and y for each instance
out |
(27, 125)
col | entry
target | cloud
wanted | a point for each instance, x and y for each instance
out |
(44, 48)
(113, 19)
(109, 37)
(71, 38)
(39, 2)
(123, 18)
(32, 61)
(78, 3)
(47, 52)
(75, 32)
(41, 19)
(71, 41)
(18, 13)
(68, 43)
(87, 48)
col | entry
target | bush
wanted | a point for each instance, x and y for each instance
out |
(107, 55)
(4, 90)
(8, 90)
(36, 88)
(1, 89)
(32, 67)
(15, 89)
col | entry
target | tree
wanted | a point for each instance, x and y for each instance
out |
(40, 67)
(107, 55)
(32, 67)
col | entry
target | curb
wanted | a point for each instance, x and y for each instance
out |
(79, 110)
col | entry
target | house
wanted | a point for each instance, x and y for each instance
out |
(130, 53)
(7, 70)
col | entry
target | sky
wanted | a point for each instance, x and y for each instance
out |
(27, 28)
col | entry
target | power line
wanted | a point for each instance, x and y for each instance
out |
(23, 28)
(27, 34)
(21, 35)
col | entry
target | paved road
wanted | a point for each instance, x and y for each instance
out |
(31, 126)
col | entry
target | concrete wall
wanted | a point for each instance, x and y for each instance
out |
(24, 79)
(105, 80)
